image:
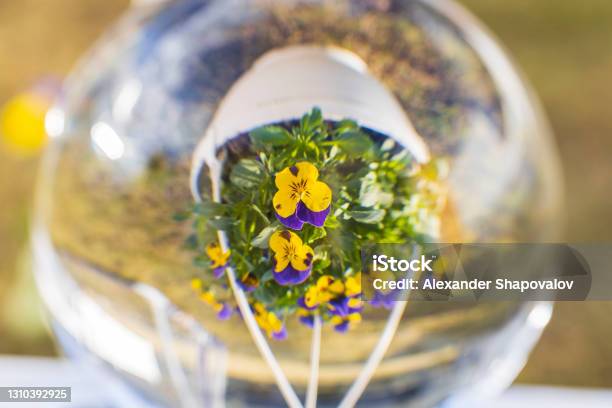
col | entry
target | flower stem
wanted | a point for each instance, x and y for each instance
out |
(315, 355)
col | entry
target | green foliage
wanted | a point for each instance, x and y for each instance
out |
(376, 197)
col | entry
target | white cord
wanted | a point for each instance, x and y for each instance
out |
(360, 384)
(160, 305)
(315, 356)
(262, 344)
(283, 383)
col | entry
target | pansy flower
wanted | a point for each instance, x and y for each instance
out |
(326, 288)
(248, 282)
(306, 317)
(301, 197)
(292, 259)
(224, 310)
(269, 322)
(344, 306)
(196, 284)
(218, 258)
(349, 301)
(344, 323)
(382, 299)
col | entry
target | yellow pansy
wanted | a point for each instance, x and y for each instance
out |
(353, 285)
(218, 258)
(269, 322)
(325, 290)
(301, 197)
(292, 258)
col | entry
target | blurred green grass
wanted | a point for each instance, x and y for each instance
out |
(563, 46)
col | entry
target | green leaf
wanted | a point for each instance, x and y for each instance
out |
(346, 125)
(371, 216)
(221, 223)
(354, 142)
(268, 276)
(181, 216)
(261, 240)
(191, 243)
(262, 295)
(372, 194)
(318, 233)
(247, 174)
(331, 222)
(271, 136)
(387, 145)
(209, 208)
(201, 261)
(311, 120)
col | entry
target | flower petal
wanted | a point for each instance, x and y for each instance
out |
(280, 334)
(317, 197)
(280, 239)
(248, 282)
(307, 303)
(291, 276)
(218, 271)
(285, 202)
(353, 285)
(302, 173)
(225, 312)
(307, 320)
(303, 258)
(339, 306)
(292, 221)
(342, 327)
(315, 218)
(283, 244)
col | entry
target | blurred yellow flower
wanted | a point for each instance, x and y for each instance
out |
(22, 123)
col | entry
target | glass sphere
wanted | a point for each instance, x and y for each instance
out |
(192, 107)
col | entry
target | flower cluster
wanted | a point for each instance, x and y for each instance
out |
(298, 201)
(340, 301)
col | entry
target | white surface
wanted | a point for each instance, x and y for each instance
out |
(528, 396)
(285, 83)
(88, 392)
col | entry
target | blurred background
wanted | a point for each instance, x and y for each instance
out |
(564, 48)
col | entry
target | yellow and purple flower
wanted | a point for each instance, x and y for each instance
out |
(218, 258)
(224, 310)
(269, 322)
(301, 198)
(344, 323)
(292, 259)
(306, 317)
(248, 282)
(349, 302)
(326, 288)
(345, 306)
